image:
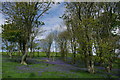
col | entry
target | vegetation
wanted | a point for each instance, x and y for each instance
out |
(39, 68)
(88, 45)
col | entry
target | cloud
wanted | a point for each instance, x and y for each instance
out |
(1, 22)
(0, 29)
(1, 19)
(52, 20)
(53, 15)
(58, 0)
(49, 29)
(55, 27)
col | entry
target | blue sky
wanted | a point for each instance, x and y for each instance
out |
(52, 20)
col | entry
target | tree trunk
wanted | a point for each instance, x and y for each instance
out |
(65, 50)
(62, 55)
(19, 49)
(65, 55)
(73, 45)
(107, 69)
(33, 53)
(56, 51)
(10, 55)
(23, 61)
(56, 54)
(74, 58)
(7, 53)
(48, 53)
(38, 53)
(19, 52)
(74, 54)
(90, 66)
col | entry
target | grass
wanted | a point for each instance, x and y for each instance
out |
(35, 54)
(117, 63)
(12, 69)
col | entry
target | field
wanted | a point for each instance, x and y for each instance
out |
(41, 67)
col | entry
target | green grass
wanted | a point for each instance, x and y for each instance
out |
(10, 70)
(35, 54)
(117, 63)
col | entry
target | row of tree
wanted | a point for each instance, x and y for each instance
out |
(90, 29)
(22, 24)
(90, 26)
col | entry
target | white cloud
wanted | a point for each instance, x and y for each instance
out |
(53, 15)
(49, 29)
(52, 20)
(56, 27)
(54, 6)
(1, 22)
(58, 0)
(0, 30)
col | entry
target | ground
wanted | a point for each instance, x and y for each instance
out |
(41, 67)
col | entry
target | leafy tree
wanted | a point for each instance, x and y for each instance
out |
(47, 43)
(25, 16)
(10, 37)
(88, 26)
(62, 40)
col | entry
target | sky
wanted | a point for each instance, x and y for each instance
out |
(1, 22)
(52, 20)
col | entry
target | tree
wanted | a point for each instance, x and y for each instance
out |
(107, 40)
(81, 23)
(84, 20)
(25, 16)
(9, 37)
(48, 42)
(62, 41)
(35, 32)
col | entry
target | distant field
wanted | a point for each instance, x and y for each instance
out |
(36, 54)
